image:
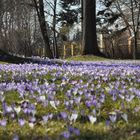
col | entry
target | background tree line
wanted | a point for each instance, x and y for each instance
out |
(29, 26)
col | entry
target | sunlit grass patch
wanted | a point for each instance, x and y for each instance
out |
(86, 58)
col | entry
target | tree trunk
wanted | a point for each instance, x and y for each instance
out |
(82, 21)
(135, 46)
(40, 12)
(54, 31)
(135, 29)
(89, 28)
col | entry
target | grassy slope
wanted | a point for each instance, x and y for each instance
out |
(86, 58)
(121, 131)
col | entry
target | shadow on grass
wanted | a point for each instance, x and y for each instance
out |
(85, 136)
(7, 58)
(126, 133)
(14, 59)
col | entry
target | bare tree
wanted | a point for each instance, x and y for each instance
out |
(122, 14)
(39, 5)
(54, 30)
(53, 5)
(135, 24)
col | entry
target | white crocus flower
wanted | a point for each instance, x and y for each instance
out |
(73, 117)
(125, 117)
(52, 103)
(17, 109)
(92, 119)
(42, 98)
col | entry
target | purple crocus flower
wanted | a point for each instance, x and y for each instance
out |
(66, 134)
(113, 117)
(88, 104)
(107, 123)
(114, 97)
(94, 102)
(12, 115)
(74, 130)
(16, 137)
(45, 119)
(21, 122)
(32, 119)
(3, 122)
(4, 106)
(64, 115)
(50, 116)
(102, 98)
(77, 100)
